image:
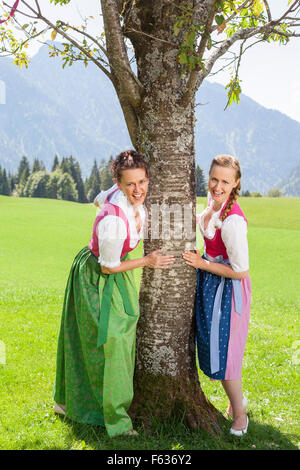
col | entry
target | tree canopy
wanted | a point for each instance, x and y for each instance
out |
(207, 30)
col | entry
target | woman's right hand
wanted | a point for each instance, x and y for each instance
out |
(156, 261)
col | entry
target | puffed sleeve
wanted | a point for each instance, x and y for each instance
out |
(101, 197)
(112, 234)
(234, 236)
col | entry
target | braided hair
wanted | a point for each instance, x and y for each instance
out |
(229, 162)
(128, 160)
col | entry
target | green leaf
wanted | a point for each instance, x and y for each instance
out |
(190, 38)
(53, 34)
(177, 27)
(258, 7)
(234, 91)
(219, 19)
(183, 59)
(60, 2)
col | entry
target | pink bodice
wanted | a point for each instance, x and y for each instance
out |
(215, 246)
(110, 209)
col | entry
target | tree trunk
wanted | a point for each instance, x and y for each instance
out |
(166, 379)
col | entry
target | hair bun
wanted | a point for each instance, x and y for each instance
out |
(129, 159)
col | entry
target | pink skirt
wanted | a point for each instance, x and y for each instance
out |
(239, 325)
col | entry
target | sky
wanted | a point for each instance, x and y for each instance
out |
(269, 73)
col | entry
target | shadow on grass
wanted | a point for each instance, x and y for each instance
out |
(176, 436)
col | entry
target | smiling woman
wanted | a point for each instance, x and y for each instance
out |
(223, 286)
(96, 346)
(127, 180)
(221, 183)
(134, 185)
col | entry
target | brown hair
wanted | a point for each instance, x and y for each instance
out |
(128, 160)
(229, 162)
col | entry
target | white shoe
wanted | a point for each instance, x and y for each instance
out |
(240, 432)
(58, 410)
(132, 432)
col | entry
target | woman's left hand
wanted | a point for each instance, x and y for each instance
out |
(194, 259)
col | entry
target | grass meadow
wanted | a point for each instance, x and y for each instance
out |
(38, 241)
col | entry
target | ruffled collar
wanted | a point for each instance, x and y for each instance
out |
(120, 199)
(214, 222)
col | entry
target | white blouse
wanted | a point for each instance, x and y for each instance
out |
(233, 234)
(111, 230)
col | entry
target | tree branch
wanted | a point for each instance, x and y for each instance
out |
(20, 46)
(242, 34)
(126, 84)
(68, 38)
(117, 54)
(38, 6)
(235, 58)
(120, 4)
(130, 117)
(268, 10)
(20, 12)
(150, 36)
(243, 5)
(236, 71)
(293, 7)
(192, 82)
(83, 33)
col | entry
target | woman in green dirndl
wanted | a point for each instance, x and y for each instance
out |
(96, 345)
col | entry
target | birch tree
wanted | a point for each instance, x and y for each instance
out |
(174, 44)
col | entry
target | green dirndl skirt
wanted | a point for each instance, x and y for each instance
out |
(96, 345)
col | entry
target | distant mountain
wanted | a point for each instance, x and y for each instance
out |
(290, 186)
(265, 141)
(74, 111)
(48, 110)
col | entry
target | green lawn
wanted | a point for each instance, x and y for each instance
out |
(39, 239)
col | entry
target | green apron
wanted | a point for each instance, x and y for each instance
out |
(96, 353)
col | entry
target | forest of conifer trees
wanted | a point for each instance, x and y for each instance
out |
(65, 180)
